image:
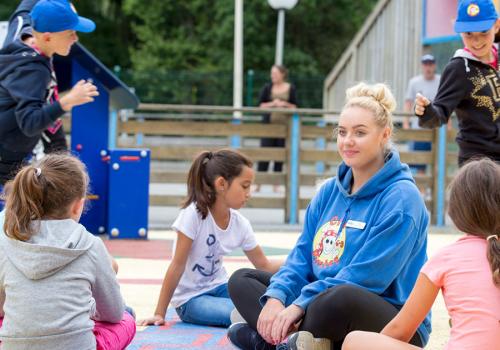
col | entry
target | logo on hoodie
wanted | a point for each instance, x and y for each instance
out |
(329, 244)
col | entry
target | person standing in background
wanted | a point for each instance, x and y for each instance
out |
(426, 84)
(277, 94)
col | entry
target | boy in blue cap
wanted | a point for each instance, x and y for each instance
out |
(29, 102)
(470, 85)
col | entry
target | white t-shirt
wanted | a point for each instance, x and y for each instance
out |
(428, 88)
(204, 270)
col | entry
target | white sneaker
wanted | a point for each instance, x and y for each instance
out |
(236, 317)
(304, 340)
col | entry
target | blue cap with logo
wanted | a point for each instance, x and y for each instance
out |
(475, 16)
(51, 16)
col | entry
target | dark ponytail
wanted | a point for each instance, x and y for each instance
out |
(474, 206)
(206, 168)
(493, 255)
(44, 190)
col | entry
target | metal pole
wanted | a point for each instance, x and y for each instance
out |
(280, 37)
(238, 55)
(238, 66)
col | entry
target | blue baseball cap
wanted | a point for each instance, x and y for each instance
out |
(50, 16)
(475, 16)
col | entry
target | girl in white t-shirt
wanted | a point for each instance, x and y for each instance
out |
(209, 227)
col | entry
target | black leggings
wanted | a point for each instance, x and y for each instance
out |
(267, 142)
(332, 314)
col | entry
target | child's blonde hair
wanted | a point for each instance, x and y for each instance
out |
(43, 190)
(475, 206)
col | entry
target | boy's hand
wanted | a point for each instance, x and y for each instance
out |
(83, 92)
(156, 320)
(420, 103)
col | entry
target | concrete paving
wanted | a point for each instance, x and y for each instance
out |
(141, 278)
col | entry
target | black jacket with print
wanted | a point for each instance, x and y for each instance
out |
(25, 86)
(471, 89)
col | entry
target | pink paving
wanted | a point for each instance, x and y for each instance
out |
(156, 249)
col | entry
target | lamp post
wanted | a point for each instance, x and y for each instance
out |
(238, 68)
(281, 6)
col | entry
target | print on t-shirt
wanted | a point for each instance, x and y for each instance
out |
(211, 263)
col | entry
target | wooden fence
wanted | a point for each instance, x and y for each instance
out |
(176, 134)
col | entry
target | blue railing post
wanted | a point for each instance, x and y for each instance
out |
(139, 137)
(320, 145)
(294, 169)
(113, 126)
(441, 176)
(236, 139)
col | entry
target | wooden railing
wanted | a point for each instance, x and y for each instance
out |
(176, 134)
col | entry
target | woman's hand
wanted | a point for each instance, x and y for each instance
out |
(266, 318)
(276, 102)
(285, 321)
(280, 103)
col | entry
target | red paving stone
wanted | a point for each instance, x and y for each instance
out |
(156, 249)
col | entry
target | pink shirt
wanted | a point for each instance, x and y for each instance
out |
(464, 275)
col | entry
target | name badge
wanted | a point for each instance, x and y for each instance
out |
(356, 224)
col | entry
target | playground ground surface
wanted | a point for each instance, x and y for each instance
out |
(143, 265)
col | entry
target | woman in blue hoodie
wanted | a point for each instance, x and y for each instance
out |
(363, 244)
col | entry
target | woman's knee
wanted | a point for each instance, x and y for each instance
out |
(236, 280)
(339, 301)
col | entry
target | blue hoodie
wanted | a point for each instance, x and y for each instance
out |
(381, 246)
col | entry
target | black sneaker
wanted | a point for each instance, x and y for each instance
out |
(245, 338)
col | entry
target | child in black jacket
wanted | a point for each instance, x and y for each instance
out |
(28, 88)
(470, 85)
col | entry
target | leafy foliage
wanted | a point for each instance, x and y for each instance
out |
(182, 51)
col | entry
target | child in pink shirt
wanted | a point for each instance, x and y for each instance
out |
(467, 272)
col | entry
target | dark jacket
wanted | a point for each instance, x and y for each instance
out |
(26, 86)
(471, 89)
(265, 96)
(25, 78)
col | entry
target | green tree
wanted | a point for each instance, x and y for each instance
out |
(113, 36)
(6, 8)
(182, 51)
(197, 36)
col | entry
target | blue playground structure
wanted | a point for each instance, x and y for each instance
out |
(119, 178)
